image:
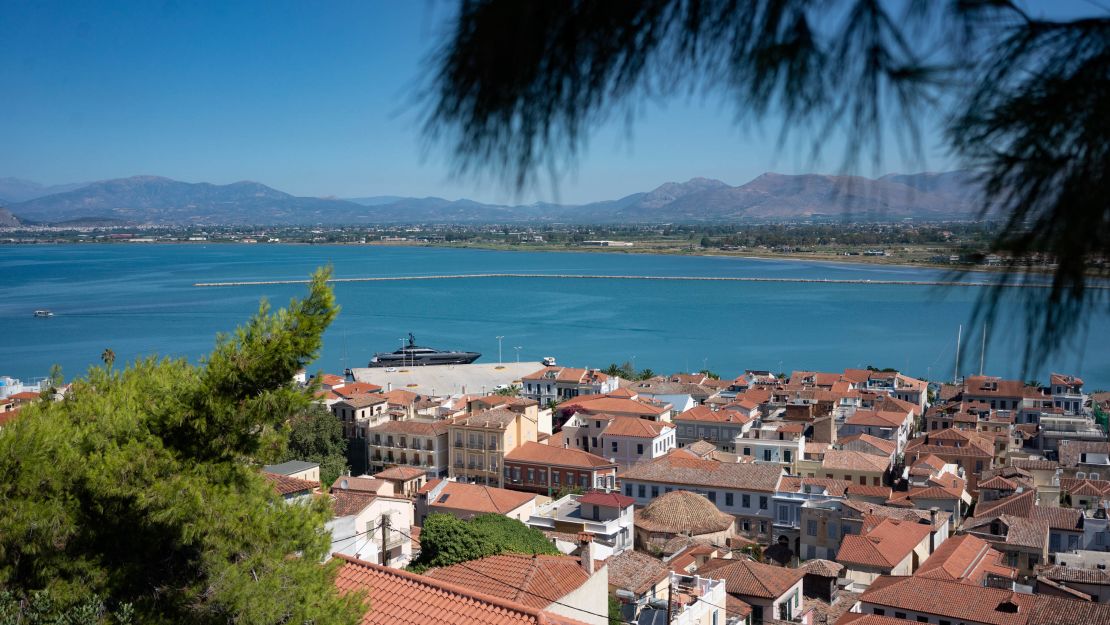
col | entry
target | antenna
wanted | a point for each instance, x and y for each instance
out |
(956, 373)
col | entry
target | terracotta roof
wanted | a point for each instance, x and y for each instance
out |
(867, 490)
(701, 448)
(347, 502)
(795, 484)
(535, 581)
(1049, 610)
(1059, 518)
(612, 500)
(877, 418)
(880, 444)
(856, 618)
(886, 544)
(1074, 575)
(683, 468)
(1071, 452)
(751, 579)
(615, 405)
(707, 415)
(400, 473)
(635, 427)
(1036, 464)
(285, 485)
(997, 483)
(1066, 380)
(683, 512)
(961, 602)
(540, 453)
(736, 608)
(823, 568)
(982, 385)
(397, 597)
(410, 426)
(847, 460)
(1020, 504)
(476, 498)
(355, 388)
(1085, 487)
(363, 400)
(1020, 532)
(876, 511)
(967, 559)
(635, 571)
(360, 484)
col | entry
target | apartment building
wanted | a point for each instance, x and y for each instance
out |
(558, 384)
(480, 441)
(417, 443)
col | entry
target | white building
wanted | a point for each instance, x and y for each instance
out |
(629, 440)
(357, 528)
(608, 517)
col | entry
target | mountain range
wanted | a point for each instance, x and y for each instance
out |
(768, 198)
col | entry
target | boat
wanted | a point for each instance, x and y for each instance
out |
(44, 313)
(415, 355)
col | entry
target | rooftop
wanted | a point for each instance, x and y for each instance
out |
(753, 579)
(476, 498)
(290, 467)
(558, 456)
(683, 512)
(682, 468)
(535, 581)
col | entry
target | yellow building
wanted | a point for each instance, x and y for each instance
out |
(479, 442)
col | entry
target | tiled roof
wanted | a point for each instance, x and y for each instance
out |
(683, 468)
(346, 502)
(856, 618)
(397, 597)
(1049, 610)
(635, 427)
(1019, 532)
(496, 419)
(980, 385)
(615, 405)
(400, 473)
(823, 568)
(1020, 504)
(612, 500)
(1071, 452)
(877, 418)
(540, 453)
(410, 426)
(286, 485)
(965, 558)
(476, 498)
(535, 581)
(950, 600)
(1036, 464)
(795, 484)
(997, 483)
(904, 514)
(752, 579)
(847, 460)
(356, 388)
(886, 544)
(701, 448)
(1071, 574)
(868, 490)
(635, 571)
(683, 512)
(362, 400)
(1059, 518)
(703, 414)
(1085, 487)
(880, 444)
(360, 484)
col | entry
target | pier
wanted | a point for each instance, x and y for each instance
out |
(574, 276)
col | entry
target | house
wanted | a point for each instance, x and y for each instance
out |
(548, 469)
(820, 580)
(618, 406)
(894, 426)
(1067, 393)
(1025, 531)
(868, 444)
(607, 516)
(292, 489)
(740, 489)
(372, 526)
(778, 443)
(299, 469)
(826, 522)
(406, 481)
(720, 427)
(360, 413)
(941, 602)
(480, 441)
(854, 466)
(397, 597)
(558, 384)
(972, 451)
(566, 585)
(885, 547)
(773, 592)
(635, 579)
(418, 443)
(629, 440)
(968, 560)
(466, 501)
(682, 513)
(1067, 581)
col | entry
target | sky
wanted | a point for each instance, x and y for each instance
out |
(319, 99)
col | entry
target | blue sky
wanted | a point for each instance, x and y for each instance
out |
(313, 98)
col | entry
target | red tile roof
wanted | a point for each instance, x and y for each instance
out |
(706, 415)
(286, 485)
(475, 498)
(880, 444)
(348, 502)
(534, 581)
(635, 571)
(540, 453)
(636, 427)
(966, 559)
(847, 460)
(397, 597)
(888, 542)
(400, 473)
(682, 468)
(683, 512)
(612, 500)
(751, 579)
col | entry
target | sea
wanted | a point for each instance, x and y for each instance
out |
(139, 299)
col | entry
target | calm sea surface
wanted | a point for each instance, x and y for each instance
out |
(138, 299)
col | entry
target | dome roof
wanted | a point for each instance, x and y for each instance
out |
(683, 512)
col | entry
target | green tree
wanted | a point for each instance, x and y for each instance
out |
(615, 611)
(644, 374)
(141, 489)
(317, 436)
(446, 540)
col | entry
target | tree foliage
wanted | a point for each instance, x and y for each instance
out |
(447, 540)
(140, 491)
(519, 86)
(317, 436)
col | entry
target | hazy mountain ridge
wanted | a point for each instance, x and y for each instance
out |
(769, 197)
(7, 219)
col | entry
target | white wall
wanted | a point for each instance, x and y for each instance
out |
(588, 602)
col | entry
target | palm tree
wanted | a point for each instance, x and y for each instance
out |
(108, 356)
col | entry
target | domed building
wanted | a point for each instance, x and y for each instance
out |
(682, 513)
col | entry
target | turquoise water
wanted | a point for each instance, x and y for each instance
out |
(138, 299)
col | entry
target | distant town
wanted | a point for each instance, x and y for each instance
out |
(860, 496)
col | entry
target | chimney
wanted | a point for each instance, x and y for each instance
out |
(933, 527)
(388, 386)
(585, 543)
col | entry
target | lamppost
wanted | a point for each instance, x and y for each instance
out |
(517, 348)
(499, 349)
(402, 350)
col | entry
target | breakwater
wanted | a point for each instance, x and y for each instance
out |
(574, 276)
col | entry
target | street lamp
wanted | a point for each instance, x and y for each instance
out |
(517, 348)
(402, 339)
(499, 349)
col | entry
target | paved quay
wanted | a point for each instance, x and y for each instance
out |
(447, 379)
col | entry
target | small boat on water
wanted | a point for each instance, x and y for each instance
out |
(44, 313)
(415, 355)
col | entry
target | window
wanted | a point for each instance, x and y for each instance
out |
(763, 527)
(555, 478)
(747, 451)
(639, 449)
(784, 514)
(863, 480)
(879, 611)
(848, 478)
(614, 445)
(945, 622)
(728, 499)
(654, 491)
(627, 490)
(766, 455)
(531, 475)
(593, 442)
(832, 530)
(597, 425)
(746, 525)
(762, 502)
(900, 615)
(641, 491)
(922, 619)
(811, 528)
(746, 501)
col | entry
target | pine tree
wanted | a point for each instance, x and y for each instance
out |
(141, 490)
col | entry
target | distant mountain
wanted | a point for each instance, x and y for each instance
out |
(7, 219)
(770, 197)
(14, 190)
